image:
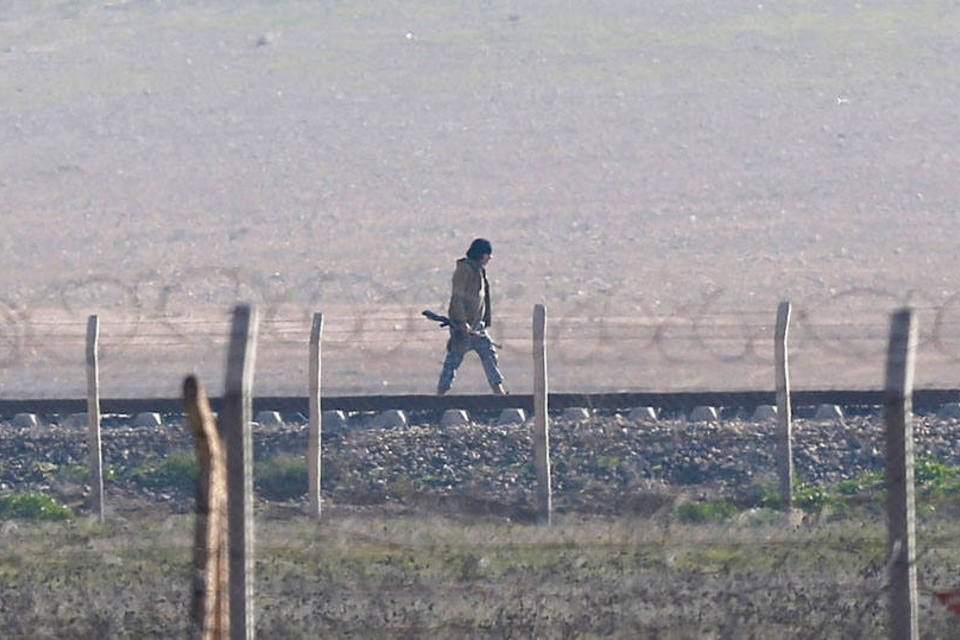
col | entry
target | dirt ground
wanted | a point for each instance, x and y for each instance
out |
(660, 174)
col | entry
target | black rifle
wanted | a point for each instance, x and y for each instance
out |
(436, 317)
(446, 322)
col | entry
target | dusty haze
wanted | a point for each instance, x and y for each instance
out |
(660, 175)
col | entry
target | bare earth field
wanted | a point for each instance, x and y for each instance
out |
(651, 172)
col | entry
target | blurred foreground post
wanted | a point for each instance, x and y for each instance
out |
(210, 602)
(784, 437)
(235, 426)
(94, 445)
(897, 410)
(314, 464)
(541, 429)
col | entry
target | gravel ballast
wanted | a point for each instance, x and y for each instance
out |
(599, 464)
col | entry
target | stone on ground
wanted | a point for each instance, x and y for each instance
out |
(147, 419)
(828, 412)
(512, 416)
(642, 414)
(25, 420)
(949, 411)
(764, 413)
(76, 420)
(269, 419)
(703, 413)
(454, 418)
(333, 421)
(391, 419)
(576, 414)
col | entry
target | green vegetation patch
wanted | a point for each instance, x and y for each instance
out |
(763, 495)
(33, 506)
(936, 479)
(178, 471)
(281, 477)
(937, 485)
(814, 498)
(705, 511)
(77, 473)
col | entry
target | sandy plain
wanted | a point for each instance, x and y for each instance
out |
(659, 175)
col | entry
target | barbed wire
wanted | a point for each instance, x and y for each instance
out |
(153, 311)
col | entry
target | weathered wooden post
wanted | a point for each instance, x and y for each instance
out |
(784, 437)
(237, 438)
(314, 462)
(210, 602)
(897, 413)
(541, 428)
(94, 444)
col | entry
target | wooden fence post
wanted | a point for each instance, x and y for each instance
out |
(541, 429)
(784, 437)
(314, 462)
(94, 444)
(901, 527)
(237, 439)
(210, 602)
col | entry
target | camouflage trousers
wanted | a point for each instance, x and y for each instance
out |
(458, 347)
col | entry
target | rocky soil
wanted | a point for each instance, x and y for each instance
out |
(603, 464)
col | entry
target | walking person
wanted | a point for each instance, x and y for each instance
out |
(469, 315)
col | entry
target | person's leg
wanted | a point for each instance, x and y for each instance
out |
(455, 353)
(488, 357)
